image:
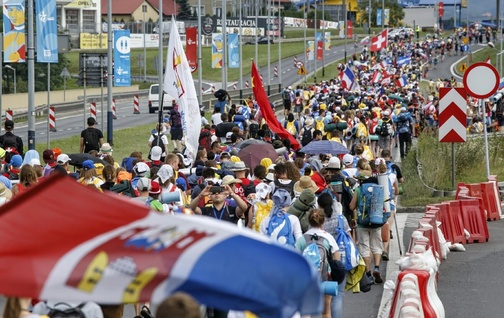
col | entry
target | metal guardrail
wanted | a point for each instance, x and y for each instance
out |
(208, 101)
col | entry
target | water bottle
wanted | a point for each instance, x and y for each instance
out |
(341, 247)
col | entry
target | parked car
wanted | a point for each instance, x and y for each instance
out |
(154, 99)
(261, 40)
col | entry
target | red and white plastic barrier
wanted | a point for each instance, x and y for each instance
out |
(136, 105)
(92, 110)
(52, 119)
(114, 109)
(9, 114)
(444, 226)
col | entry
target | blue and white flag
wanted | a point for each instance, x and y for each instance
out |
(234, 52)
(122, 63)
(403, 60)
(47, 31)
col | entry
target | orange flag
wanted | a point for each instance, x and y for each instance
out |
(267, 111)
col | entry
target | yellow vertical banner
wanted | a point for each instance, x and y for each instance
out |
(217, 43)
(327, 40)
(14, 40)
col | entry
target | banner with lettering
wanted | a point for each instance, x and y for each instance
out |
(14, 39)
(192, 47)
(233, 51)
(217, 43)
(122, 62)
(47, 31)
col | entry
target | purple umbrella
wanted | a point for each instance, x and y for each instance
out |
(317, 147)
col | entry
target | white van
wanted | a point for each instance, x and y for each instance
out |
(154, 99)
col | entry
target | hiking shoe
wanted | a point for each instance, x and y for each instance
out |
(371, 279)
(384, 256)
(377, 277)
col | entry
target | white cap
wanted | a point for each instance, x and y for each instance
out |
(62, 159)
(348, 159)
(156, 152)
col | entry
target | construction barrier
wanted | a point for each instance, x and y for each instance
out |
(247, 85)
(52, 119)
(212, 89)
(491, 199)
(9, 114)
(461, 221)
(474, 219)
(92, 110)
(136, 105)
(235, 87)
(114, 109)
(275, 72)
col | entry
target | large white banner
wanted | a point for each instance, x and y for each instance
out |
(137, 40)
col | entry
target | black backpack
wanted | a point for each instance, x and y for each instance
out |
(221, 95)
(385, 128)
(91, 139)
(10, 145)
(307, 136)
(156, 142)
(70, 312)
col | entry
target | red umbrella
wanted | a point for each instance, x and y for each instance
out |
(253, 154)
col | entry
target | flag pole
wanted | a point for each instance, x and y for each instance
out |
(160, 63)
(200, 68)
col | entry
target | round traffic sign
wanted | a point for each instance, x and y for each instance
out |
(481, 80)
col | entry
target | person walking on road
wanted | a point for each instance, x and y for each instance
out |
(404, 123)
(369, 238)
(91, 137)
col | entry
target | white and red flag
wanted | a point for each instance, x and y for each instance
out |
(379, 42)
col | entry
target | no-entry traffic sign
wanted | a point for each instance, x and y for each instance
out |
(481, 80)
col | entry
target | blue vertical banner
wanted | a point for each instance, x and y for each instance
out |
(47, 31)
(14, 39)
(378, 17)
(234, 52)
(122, 63)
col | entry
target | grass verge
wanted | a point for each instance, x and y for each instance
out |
(436, 165)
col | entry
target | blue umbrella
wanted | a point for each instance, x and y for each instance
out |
(317, 147)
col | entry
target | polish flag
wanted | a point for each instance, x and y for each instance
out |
(379, 42)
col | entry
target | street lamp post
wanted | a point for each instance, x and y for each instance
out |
(144, 10)
(15, 77)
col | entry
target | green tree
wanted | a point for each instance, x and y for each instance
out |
(41, 73)
(184, 10)
(320, 15)
(395, 17)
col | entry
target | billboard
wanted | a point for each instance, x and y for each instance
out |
(14, 39)
(47, 31)
(264, 25)
(122, 63)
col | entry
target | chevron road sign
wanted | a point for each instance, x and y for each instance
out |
(452, 114)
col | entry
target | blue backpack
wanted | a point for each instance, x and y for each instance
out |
(349, 253)
(315, 253)
(280, 228)
(370, 212)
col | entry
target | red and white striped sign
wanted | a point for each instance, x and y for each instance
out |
(212, 89)
(452, 114)
(235, 87)
(92, 110)
(275, 72)
(136, 105)
(52, 119)
(113, 109)
(296, 62)
(247, 85)
(9, 114)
